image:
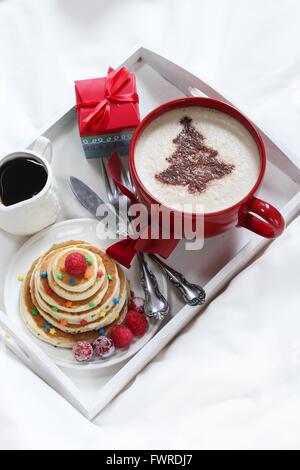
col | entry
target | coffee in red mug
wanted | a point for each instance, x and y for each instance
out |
(200, 152)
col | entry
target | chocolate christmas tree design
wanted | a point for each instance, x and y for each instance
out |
(193, 164)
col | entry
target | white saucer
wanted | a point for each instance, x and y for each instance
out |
(77, 229)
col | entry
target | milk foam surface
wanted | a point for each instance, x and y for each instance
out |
(229, 137)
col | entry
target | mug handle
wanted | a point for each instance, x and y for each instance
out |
(43, 146)
(262, 218)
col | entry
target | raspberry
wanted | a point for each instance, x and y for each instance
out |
(137, 303)
(103, 347)
(121, 336)
(132, 305)
(136, 322)
(83, 351)
(75, 264)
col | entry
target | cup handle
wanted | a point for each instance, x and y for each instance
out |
(43, 146)
(262, 218)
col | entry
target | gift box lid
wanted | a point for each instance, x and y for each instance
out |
(123, 107)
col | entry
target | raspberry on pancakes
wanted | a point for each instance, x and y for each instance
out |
(76, 264)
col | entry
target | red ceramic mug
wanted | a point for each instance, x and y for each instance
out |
(250, 212)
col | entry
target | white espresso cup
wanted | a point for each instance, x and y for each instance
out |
(31, 215)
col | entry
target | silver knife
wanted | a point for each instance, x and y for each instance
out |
(89, 199)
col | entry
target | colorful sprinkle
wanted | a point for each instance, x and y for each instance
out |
(116, 301)
(89, 260)
(86, 275)
(62, 269)
(44, 275)
(49, 291)
(34, 311)
(117, 317)
(52, 331)
(20, 278)
(72, 282)
(63, 322)
(100, 274)
(54, 309)
(47, 326)
(68, 304)
(83, 323)
(131, 293)
(91, 304)
(102, 331)
(109, 277)
(59, 276)
(102, 314)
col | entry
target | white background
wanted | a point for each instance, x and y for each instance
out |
(232, 379)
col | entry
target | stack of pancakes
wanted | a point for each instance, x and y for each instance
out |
(62, 309)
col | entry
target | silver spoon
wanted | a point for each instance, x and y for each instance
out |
(155, 306)
(192, 293)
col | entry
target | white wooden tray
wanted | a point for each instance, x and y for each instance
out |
(158, 81)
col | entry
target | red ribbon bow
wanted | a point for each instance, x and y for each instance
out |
(115, 82)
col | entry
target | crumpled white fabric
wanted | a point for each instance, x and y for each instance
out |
(232, 378)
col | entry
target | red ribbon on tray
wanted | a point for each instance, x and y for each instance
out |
(116, 80)
(124, 250)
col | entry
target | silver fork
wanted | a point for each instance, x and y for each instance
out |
(156, 306)
(192, 294)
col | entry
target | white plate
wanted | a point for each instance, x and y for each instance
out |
(77, 229)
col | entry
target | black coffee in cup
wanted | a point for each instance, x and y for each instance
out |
(21, 178)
